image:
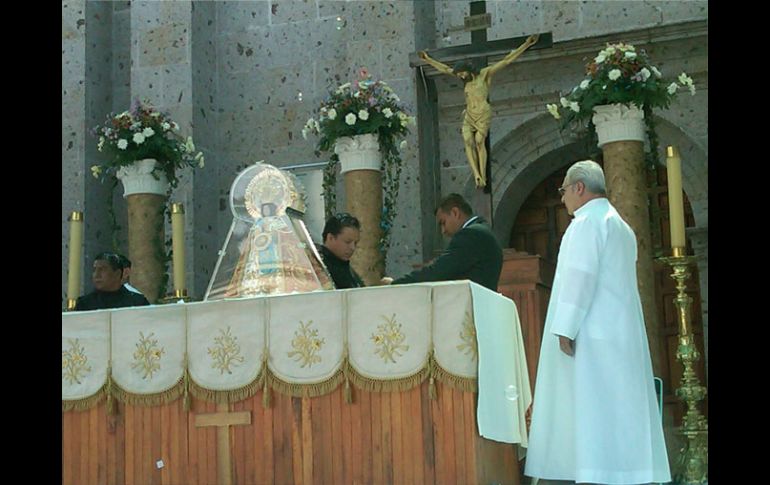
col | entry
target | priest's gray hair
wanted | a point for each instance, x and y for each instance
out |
(590, 173)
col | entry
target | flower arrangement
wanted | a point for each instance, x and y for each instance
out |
(144, 132)
(362, 107)
(620, 74)
(358, 108)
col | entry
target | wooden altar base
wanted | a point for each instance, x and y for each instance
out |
(382, 438)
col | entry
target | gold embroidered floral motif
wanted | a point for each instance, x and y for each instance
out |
(468, 336)
(389, 340)
(225, 352)
(74, 362)
(147, 356)
(306, 344)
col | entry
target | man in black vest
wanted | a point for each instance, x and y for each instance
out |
(109, 291)
(473, 252)
(341, 235)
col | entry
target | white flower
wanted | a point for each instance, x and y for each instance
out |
(672, 88)
(584, 84)
(332, 114)
(189, 145)
(304, 133)
(96, 170)
(402, 145)
(614, 74)
(350, 119)
(630, 54)
(199, 157)
(148, 132)
(692, 90)
(564, 102)
(387, 112)
(343, 87)
(101, 143)
(610, 50)
(122, 144)
(138, 138)
(357, 94)
(574, 106)
(395, 97)
(645, 74)
(685, 80)
(600, 58)
(165, 126)
(554, 110)
(363, 114)
(655, 70)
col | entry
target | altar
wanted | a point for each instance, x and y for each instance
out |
(422, 383)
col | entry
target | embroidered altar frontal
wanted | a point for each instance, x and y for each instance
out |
(301, 345)
(392, 367)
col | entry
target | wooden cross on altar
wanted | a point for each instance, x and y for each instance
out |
(477, 52)
(223, 419)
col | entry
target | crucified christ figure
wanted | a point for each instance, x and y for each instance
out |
(478, 112)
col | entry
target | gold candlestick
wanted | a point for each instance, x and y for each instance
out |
(693, 459)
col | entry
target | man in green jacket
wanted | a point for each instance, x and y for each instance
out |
(473, 253)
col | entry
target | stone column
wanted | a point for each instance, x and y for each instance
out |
(360, 160)
(621, 137)
(161, 72)
(146, 198)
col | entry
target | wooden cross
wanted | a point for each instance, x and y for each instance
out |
(478, 51)
(223, 419)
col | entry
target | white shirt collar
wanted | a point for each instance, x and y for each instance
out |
(592, 202)
(469, 221)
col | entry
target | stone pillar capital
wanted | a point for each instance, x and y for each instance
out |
(618, 122)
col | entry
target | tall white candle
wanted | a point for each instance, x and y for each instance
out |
(675, 198)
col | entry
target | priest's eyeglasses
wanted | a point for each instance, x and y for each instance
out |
(564, 188)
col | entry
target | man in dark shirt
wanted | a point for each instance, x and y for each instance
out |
(109, 291)
(473, 253)
(341, 235)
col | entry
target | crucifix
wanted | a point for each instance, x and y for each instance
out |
(223, 419)
(476, 75)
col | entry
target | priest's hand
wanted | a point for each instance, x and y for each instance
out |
(386, 280)
(567, 346)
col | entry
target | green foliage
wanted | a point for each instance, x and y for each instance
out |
(143, 132)
(620, 75)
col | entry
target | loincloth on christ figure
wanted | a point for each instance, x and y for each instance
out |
(478, 119)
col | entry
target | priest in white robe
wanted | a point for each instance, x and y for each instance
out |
(595, 418)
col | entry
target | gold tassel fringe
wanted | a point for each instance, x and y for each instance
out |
(387, 385)
(86, 402)
(224, 397)
(186, 401)
(112, 406)
(464, 384)
(307, 390)
(266, 393)
(348, 391)
(157, 399)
